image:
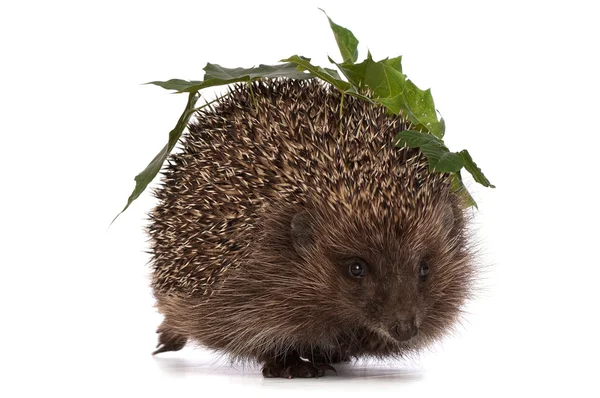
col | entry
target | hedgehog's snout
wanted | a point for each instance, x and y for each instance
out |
(404, 329)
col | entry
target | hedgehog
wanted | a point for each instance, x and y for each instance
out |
(291, 232)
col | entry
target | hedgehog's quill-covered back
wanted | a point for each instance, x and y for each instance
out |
(289, 235)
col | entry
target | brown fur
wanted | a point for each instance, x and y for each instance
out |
(264, 209)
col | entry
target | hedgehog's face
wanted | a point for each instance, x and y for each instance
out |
(402, 285)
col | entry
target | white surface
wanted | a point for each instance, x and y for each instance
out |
(517, 83)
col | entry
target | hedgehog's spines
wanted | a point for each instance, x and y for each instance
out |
(237, 159)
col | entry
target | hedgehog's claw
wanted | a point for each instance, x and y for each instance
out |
(170, 346)
(325, 367)
(168, 341)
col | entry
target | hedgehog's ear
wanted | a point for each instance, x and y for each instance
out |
(302, 232)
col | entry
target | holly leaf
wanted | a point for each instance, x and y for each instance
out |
(346, 41)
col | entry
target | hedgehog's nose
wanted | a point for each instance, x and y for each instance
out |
(404, 330)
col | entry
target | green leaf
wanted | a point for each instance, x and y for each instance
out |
(421, 109)
(439, 157)
(346, 41)
(218, 72)
(355, 73)
(395, 63)
(459, 187)
(394, 91)
(385, 79)
(474, 170)
(416, 139)
(145, 177)
(441, 128)
(398, 93)
(386, 83)
(176, 84)
(329, 75)
(355, 93)
(449, 162)
(216, 75)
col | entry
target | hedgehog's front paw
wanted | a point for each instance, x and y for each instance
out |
(293, 366)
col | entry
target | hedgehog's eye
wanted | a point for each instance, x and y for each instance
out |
(357, 268)
(423, 270)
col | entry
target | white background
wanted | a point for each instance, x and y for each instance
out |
(517, 83)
